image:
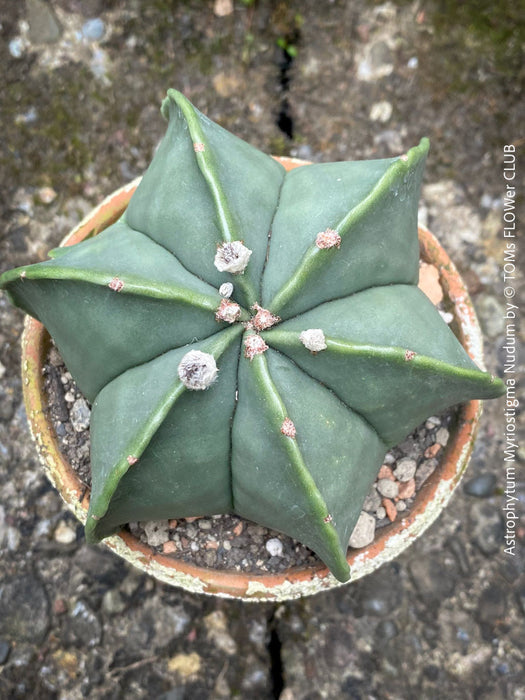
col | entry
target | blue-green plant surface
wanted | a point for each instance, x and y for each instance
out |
(252, 341)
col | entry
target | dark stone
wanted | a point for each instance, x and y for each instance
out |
(386, 630)
(352, 687)
(492, 605)
(431, 672)
(24, 609)
(459, 551)
(486, 527)
(84, 629)
(481, 486)
(5, 648)
(380, 594)
(434, 580)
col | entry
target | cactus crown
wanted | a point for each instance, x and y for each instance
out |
(252, 341)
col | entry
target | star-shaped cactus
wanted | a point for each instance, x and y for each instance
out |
(252, 340)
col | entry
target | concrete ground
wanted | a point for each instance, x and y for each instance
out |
(81, 89)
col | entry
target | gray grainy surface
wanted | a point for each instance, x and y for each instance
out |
(80, 116)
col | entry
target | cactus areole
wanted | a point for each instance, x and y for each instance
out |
(252, 341)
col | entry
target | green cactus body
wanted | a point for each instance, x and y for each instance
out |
(278, 402)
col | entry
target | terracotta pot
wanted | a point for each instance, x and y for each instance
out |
(389, 542)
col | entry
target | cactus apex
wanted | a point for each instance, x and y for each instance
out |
(197, 370)
(313, 339)
(328, 239)
(228, 311)
(232, 257)
(263, 319)
(254, 345)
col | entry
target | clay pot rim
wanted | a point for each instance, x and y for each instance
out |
(295, 582)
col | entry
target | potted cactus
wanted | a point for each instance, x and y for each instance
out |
(251, 340)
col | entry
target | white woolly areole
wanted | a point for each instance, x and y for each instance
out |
(232, 257)
(226, 290)
(313, 339)
(197, 370)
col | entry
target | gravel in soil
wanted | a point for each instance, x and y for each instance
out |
(229, 542)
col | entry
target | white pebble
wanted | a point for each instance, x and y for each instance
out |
(388, 488)
(274, 547)
(405, 469)
(432, 422)
(156, 532)
(442, 436)
(64, 534)
(381, 111)
(364, 531)
(381, 513)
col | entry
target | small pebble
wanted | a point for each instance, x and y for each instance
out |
(156, 532)
(380, 512)
(372, 501)
(386, 473)
(432, 422)
(424, 470)
(46, 195)
(391, 511)
(432, 450)
(80, 415)
(64, 534)
(381, 111)
(204, 524)
(405, 469)
(93, 29)
(442, 436)
(407, 489)
(226, 545)
(60, 606)
(481, 486)
(169, 547)
(363, 532)
(5, 649)
(112, 602)
(387, 488)
(401, 506)
(16, 47)
(274, 547)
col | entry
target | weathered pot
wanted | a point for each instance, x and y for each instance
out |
(389, 542)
